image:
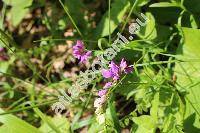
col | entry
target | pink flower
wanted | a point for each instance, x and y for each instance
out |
(107, 73)
(80, 53)
(1, 49)
(102, 92)
(107, 85)
(124, 67)
(115, 71)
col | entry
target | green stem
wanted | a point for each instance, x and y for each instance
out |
(59, 39)
(109, 2)
(126, 21)
(29, 107)
(70, 17)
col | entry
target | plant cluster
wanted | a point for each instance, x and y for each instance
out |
(90, 66)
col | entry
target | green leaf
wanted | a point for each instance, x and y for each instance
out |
(170, 126)
(15, 125)
(149, 31)
(47, 120)
(61, 123)
(118, 10)
(193, 22)
(19, 9)
(153, 31)
(164, 4)
(114, 115)
(145, 124)
(142, 2)
(83, 122)
(155, 107)
(188, 74)
(95, 127)
(4, 129)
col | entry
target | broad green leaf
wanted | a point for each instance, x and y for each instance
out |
(145, 124)
(118, 10)
(5, 129)
(19, 9)
(16, 18)
(170, 103)
(16, 125)
(153, 31)
(188, 74)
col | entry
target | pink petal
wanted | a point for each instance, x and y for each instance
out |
(107, 85)
(114, 67)
(89, 53)
(1, 49)
(102, 92)
(79, 44)
(106, 73)
(123, 64)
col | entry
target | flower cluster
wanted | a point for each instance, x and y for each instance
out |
(98, 104)
(115, 71)
(80, 53)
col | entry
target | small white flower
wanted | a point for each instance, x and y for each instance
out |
(103, 99)
(97, 103)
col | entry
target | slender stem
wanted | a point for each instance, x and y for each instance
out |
(112, 89)
(29, 107)
(109, 2)
(126, 21)
(156, 63)
(60, 39)
(70, 17)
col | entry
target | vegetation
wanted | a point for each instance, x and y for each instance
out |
(151, 86)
